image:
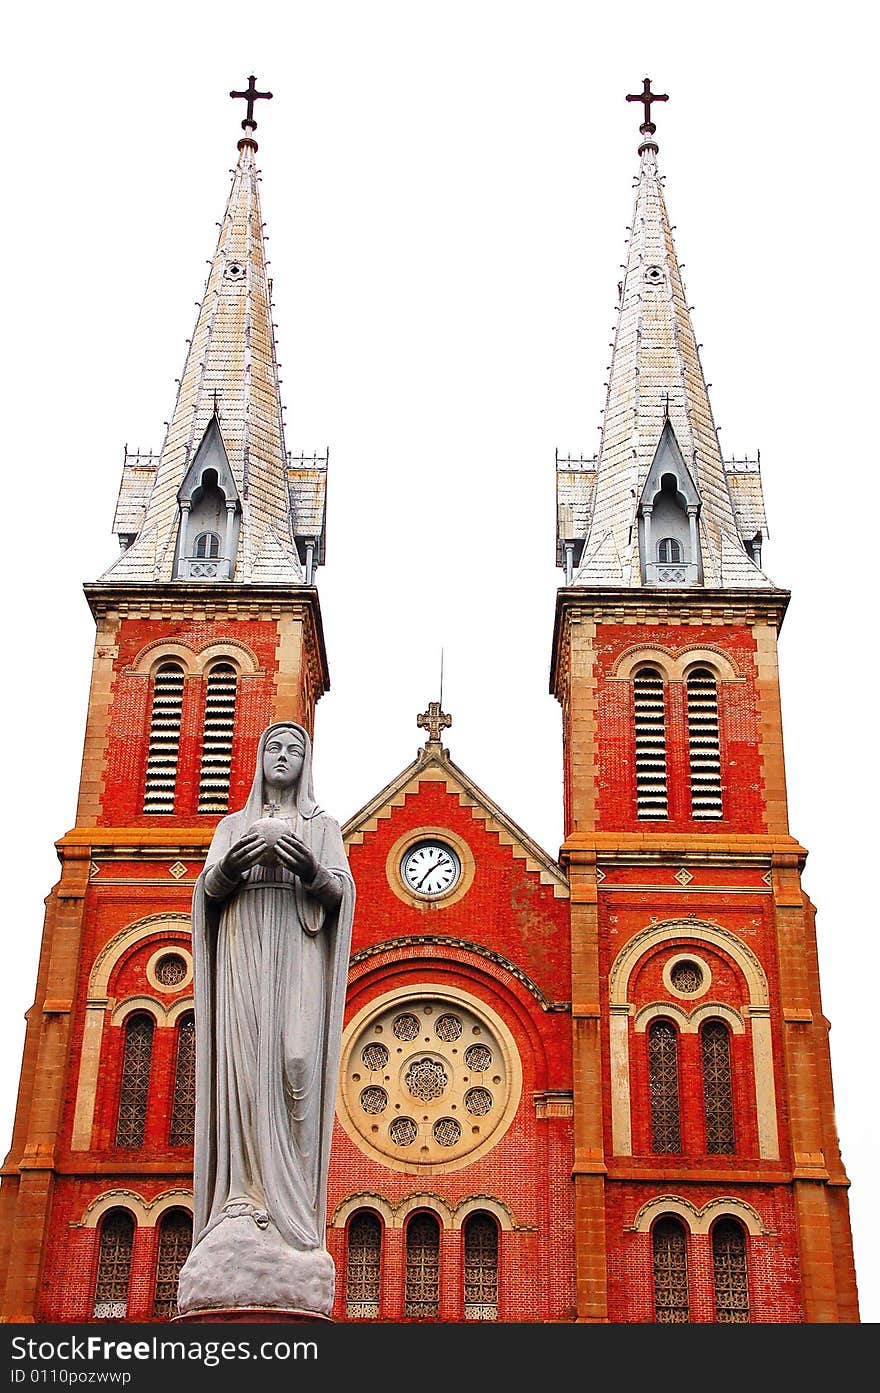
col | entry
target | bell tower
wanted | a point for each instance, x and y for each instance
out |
(708, 1179)
(208, 627)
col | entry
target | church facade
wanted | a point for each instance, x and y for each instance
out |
(590, 1088)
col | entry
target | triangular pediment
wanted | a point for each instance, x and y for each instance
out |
(433, 765)
(211, 454)
(668, 459)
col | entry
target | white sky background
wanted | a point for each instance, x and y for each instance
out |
(447, 190)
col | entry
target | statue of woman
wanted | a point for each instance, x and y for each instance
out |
(272, 916)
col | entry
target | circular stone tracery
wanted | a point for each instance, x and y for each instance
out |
(444, 1087)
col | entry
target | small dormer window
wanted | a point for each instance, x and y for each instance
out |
(207, 545)
(669, 550)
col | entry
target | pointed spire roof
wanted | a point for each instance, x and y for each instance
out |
(656, 384)
(229, 380)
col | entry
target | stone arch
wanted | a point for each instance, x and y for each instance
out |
(433, 1203)
(699, 1218)
(228, 650)
(757, 1010)
(146, 1213)
(482, 1204)
(97, 1003)
(163, 650)
(688, 1022)
(355, 1203)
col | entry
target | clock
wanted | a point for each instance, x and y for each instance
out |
(430, 868)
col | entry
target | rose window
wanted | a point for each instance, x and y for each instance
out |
(430, 1078)
(426, 1079)
(478, 1101)
(403, 1131)
(374, 1100)
(405, 1027)
(478, 1058)
(448, 1028)
(446, 1131)
(375, 1057)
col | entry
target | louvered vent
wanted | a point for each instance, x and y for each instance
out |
(164, 739)
(705, 748)
(650, 720)
(217, 739)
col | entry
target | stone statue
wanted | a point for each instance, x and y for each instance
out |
(271, 924)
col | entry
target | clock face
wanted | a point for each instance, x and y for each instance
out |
(430, 868)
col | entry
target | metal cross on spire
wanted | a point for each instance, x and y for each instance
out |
(251, 95)
(646, 97)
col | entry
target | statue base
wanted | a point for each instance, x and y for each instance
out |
(251, 1315)
(242, 1266)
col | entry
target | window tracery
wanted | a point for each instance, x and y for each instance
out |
(663, 1086)
(183, 1106)
(114, 1266)
(730, 1272)
(175, 1241)
(669, 1245)
(717, 1088)
(135, 1084)
(422, 1267)
(480, 1268)
(363, 1267)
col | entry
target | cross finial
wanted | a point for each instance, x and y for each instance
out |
(433, 721)
(646, 97)
(251, 95)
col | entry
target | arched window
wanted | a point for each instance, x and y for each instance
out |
(220, 693)
(480, 1268)
(175, 1241)
(423, 1267)
(363, 1267)
(717, 1088)
(669, 549)
(671, 1303)
(663, 1084)
(135, 1086)
(207, 545)
(650, 728)
(704, 743)
(731, 1273)
(164, 739)
(114, 1265)
(183, 1102)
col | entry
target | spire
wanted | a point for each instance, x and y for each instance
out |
(656, 506)
(220, 491)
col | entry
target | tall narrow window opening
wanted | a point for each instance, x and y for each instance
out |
(663, 1084)
(704, 744)
(363, 1267)
(480, 1268)
(650, 726)
(183, 1103)
(135, 1086)
(114, 1266)
(671, 1302)
(164, 739)
(220, 695)
(175, 1241)
(731, 1273)
(422, 1267)
(717, 1088)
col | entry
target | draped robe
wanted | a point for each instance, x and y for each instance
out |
(270, 966)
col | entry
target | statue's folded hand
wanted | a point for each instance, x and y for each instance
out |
(244, 854)
(293, 853)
